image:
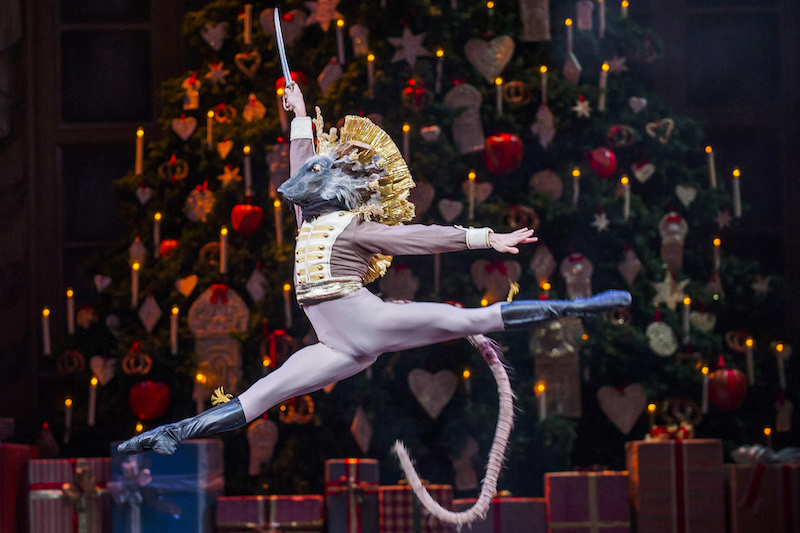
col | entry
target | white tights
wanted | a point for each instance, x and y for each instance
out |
(353, 331)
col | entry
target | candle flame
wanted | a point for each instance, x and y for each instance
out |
(371, 57)
(466, 373)
(135, 266)
(70, 293)
(717, 241)
(708, 149)
(498, 81)
(585, 336)
(625, 180)
(340, 23)
(749, 342)
(546, 285)
(576, 172)
(68, 402)
(94, 381)
(280, 91)
(267, 362)
(651, 408)
(210, 114)
(704, 370)
(540, 388)
(287, 287)
(140, 132)
(157, 216)
(45, 312)
(406, 127)
(687, 301)
(276, 203)
(767, 431)
(139, 427)
(174, 309)
(472, 175)
(223, 231)
(246, 150)
(779, 347)
(625, 3)
(484, 302)
(200, 377)
(606, 67)
(543, 69)
(736, 173)
(568, 22)
(490, 4)
(439, 52)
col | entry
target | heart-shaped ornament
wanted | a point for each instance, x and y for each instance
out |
(248, 62)
(184, 127)
(686, 194)
(432, 391)
(224, 148)
(101, 283)
(482, 190)
(637, 103)
(186, 285)
(143, 194)
(643, 171)
(430, 133)
(422, 197)
(450, 209)
(214, 34)
(103, 368)
(703, 321)
(660, 129)
(490, 57)
(622, 407)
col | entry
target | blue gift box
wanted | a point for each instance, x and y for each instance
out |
(167, 494)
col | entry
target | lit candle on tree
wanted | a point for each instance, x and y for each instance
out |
(748, 359)
(371, 74)
(541, 394)
(737, 194)
(281, 110)
(768, 437)
(340, 40)
(209, 134)
(687, 308)
(157, 235)
(602, 18)
(223, 250)
(601, 100)
(199, 399)
(568, 24)
(498, 83)
(135, 285)
(92, 401)
(782, 353)
(248, 173)
(651, 410)
(576, 186)
(287, 304)
(139, 151)
(70, 311)
(67, 419)
(439, 70)
(406, 141)
(704, 398)
(46, 331)
(624, 11)
(173, 330)
(472, 176)
(543, 72)
(490, 7)
(466, 374)
(717, 254)
(138, 428)
(278, 222)
(712, 167)
(626, 196)
(546, 286)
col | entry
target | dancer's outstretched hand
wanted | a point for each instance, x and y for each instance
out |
(295, 100)
(507, 242)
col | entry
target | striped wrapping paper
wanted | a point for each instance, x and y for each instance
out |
(677, 486)
(400, 511)
(51, 512)
(14, 486)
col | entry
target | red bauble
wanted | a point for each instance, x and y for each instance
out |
(603, 161)
(297, 77)
(246, 218)
(149, 399)
(503, 153)
(726, 387)
(168, 247)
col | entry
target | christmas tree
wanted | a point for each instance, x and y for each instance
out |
(509, 114)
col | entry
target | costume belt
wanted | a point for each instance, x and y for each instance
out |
(314, 292)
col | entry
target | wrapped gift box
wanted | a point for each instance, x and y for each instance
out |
(178, 493)
(247, 514)
(764, 497)
(508, 515)
(588, 502)
(69, 495)
(401, 511)
(677, 486)
(14, 460)
(351, 495)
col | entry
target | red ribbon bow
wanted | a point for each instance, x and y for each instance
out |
(219, 293)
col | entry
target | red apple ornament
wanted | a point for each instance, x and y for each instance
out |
(726, 387)
(149, 399)
(503, 153)
(168, 247)
(603, 161)
(246, 218)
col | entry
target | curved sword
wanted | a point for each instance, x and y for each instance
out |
(287, 75)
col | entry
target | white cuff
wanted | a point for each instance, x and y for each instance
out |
(301, 129)
(478, 238)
